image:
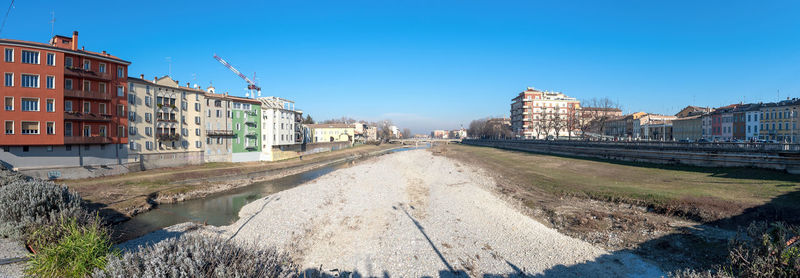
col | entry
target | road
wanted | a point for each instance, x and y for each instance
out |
(413, 214)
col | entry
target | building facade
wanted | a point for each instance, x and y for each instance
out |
(246, 122)
(752, 122)
(218, 126)
(332, 132)
(688, 128)
(166, 127)
(533, 111)
(63, 106)
(280, 126)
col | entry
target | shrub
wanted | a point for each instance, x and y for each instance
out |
(32, 203)
(766, 250)
(7, 177)
(69, 249)
(199, 256)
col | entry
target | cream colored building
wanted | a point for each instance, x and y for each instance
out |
(533, 110)
(166, 124)
(321, 133)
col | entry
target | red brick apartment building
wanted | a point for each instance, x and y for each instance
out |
(63, 106)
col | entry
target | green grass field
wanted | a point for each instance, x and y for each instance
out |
(710, 192)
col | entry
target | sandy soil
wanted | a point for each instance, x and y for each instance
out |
(412, 214)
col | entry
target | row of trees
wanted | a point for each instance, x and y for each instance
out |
(489, 128)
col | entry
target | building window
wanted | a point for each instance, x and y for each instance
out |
(101, 67)
(147, 117)
(147, 101)
(121, 131)
(87, 107)
(197, 131)
(102, 131)
(9, 80)
(51, 59)
(101, 87)
(197, 107)
(51, 82)
(9, 55)
(197, 120)
(51, 105)
(120, 110)
(30, 104)
(68, 84)
(87, 85)
(9, 103)
(131, 130)
(30, 57)
(68, 62)
(131, 99)
(30, 81)
(9, 127)
(51, 128)
(67, 106)
(120, 72)
(131, 116)
(148, 131)
(29, 128)
(87, 65)
(120, 91)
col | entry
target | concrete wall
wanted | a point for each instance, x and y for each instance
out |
(40, 157)
(245, 157)
(775, 161)
(162, 160)
(292, 151)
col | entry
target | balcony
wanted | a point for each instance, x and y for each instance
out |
(86, 117)
(220, 133)
(71, 140)
(167, 120)
(81, 73)
(89, 94)
(168, 137)
(251, 134)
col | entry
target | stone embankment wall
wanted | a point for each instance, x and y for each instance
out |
(704, 157)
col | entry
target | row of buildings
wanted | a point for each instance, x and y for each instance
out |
(67, 107)
(545, 114)
(449, 134)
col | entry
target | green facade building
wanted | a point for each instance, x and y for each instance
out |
(246, 124)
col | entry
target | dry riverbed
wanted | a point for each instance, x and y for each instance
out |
(412, 214)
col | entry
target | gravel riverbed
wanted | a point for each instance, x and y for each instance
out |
(412, 214)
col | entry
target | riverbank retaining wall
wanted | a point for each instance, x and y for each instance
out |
(292, 151)
(788, 162)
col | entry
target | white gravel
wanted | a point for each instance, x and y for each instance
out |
(412, 214)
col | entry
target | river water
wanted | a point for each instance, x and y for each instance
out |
(222, 208)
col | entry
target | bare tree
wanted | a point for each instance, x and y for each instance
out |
(557, 122)
(385, 130)
(406, 133)
(573, 119)
(541, 124)
(597, 113)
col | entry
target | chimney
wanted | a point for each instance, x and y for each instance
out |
(74, 40)
(141, 76)
(187, 85)
(104, 52)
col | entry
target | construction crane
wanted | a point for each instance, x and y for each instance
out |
(250, 84)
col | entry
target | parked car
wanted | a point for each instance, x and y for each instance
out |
(703, 140)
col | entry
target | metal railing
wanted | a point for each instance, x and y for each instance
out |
(220, 132)
(87, 94)
(78, 116)
(676, 146)
(68, 140)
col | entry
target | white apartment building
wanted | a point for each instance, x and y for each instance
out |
(280, 126)
(532, 108)
(752, 121)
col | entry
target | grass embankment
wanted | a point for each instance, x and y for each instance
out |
(606, 202)
(131, 193)
(704, 194)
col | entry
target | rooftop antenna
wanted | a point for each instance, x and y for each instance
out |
(169, 63)
(53, 24)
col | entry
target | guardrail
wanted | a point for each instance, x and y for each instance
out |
(675, 146)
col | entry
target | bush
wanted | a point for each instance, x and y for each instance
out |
(32, 203)
(69, 249)
(7, 177)
(199, 256)
(766, 250)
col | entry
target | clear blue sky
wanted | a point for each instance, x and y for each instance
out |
(438, 64)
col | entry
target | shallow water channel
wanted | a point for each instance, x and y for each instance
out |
(222, 208)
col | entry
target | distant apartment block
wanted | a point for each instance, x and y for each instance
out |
(332, 132)
(280, 127)
(533, 111)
